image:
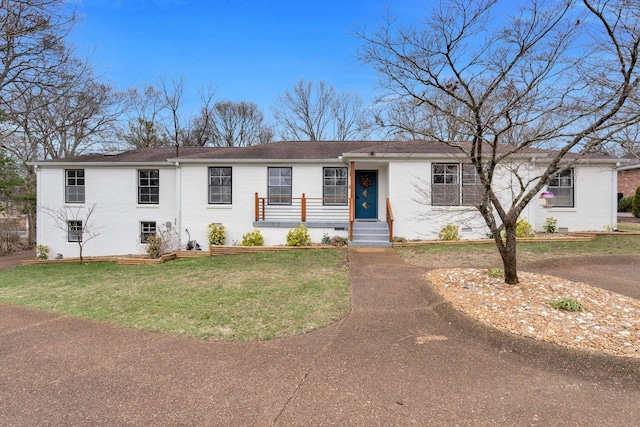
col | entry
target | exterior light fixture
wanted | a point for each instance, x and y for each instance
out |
(547, 196)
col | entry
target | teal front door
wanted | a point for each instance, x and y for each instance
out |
(366, 202)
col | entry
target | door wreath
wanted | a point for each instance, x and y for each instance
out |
(365, 181)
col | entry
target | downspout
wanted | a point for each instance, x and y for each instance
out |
(38, 172)
(178, 218)
(614, 202)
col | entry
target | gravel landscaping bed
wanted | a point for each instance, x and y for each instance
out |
(609, 324)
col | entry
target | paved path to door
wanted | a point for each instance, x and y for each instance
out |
(400, 358)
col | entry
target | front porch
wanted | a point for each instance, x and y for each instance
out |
(322, 212)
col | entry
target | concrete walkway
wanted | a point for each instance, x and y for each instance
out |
(400, 358)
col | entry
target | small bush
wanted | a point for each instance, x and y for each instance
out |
(252, 238)
(524, 228)
(399, 239)
(9, 240)
(495, 272)
(625, 204)
(339, 241)
(216, 234)
(550, 225)
(568, 304)
(154, 247)
(42, 252)
(449, 232)
(326, 240)
(163, 242)
(298, 236)
(635, 204)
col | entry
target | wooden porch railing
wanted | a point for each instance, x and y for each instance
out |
(352, 217)
(302, 208)
(390, 220)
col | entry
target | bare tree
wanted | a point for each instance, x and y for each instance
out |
(200, 131)
(76, 222)
(561, 75)
(144, 128)
(239, 124)
(69, 119)
(32, 47)
(172, 98)
(316, 112)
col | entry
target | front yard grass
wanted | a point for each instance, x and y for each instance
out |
(237, 297)
(487, 256)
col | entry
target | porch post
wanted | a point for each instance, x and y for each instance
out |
(352, 198)
(257, 207)
(303, 203)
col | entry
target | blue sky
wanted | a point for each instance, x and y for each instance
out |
(248, 50)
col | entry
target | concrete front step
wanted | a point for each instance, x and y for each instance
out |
(370, 244)
(371, 234)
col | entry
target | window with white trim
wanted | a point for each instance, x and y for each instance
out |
(74, 186)
(472, 188)
(562, 187)
(74, 231)
(220, 186)
(335, 188)
(453, 185)
(279, 187)
(149, 186)
(147, 229)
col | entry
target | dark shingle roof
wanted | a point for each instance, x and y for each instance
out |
(291, 150)
(286, 150)
(142, 155)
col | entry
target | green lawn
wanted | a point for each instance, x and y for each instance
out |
(629, 226)
(235, 297)
(467, 255)
(244, 297)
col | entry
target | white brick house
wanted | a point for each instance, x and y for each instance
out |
(277, 186)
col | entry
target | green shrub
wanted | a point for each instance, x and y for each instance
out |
(216, 234)
(42, 252)
(635, 205)
(449, 232)
(568, 304)
(399, 239)
(298, 236)
(339, 241)
(252, 238)
(326, 240)
(495, 272)
(550, 225)
(524, 228)
(625, 204)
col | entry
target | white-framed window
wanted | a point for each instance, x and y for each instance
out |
(335, 186)
(74, 186)
(562, 187)
(220, 185)
(148, 186)
(147, 229)
(279, 187)
(454, 184)
(74, 231)
(472, 188)
(445, 184)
